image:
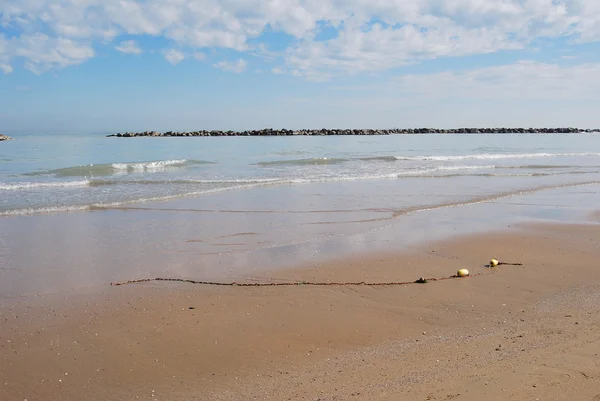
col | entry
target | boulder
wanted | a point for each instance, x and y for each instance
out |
(337, 131)
(4, 137)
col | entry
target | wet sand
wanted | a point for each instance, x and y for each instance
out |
(513, 332)
(595, 216)
(223, 238)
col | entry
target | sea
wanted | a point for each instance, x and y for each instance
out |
(77, 209)
(78, 172)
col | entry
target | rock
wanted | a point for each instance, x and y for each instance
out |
(4, 137)
(336, 131)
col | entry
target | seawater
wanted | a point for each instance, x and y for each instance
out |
(83, 210)
(66, 173)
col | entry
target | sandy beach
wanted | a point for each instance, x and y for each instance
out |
(206, 200)
(512, 332)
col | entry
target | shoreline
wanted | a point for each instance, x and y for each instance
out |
(466, 336)
(343, 132)
(217, 239)
(243, 242)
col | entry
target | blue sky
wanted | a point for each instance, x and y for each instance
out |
(117, 65)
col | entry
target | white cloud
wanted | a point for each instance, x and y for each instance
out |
(174, 56)
(524, 80)
(4, 55)
(129, 47)
(6, 68)
(407, 30)
(263, 52)
(42, 52)
(380, 48)
(236, 67)
(199, 56)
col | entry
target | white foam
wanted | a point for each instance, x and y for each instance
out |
(77, 208)
(331, 178)
(35, 185)
(494, 156)
(155, 165)
(49, 209)
(463, 167)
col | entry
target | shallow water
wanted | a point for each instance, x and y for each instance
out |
(81, 211)
(56, 173)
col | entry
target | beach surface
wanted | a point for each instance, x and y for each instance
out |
(510, 332)
(79, 212)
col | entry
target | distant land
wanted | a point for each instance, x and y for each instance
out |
(324, 131)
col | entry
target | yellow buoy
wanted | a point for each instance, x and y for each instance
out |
(462, 273)
(494, 262)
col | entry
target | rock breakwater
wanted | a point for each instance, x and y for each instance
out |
(324, 131)
(4, 137)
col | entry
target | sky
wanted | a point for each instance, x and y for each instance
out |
(135, 65)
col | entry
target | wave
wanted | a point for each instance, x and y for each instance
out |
(494, 197)
(35, 185)
(493, 156)
(379, 158)
(461, 167)
(294, 180)
(91, 170)
(113, 205)
(391, 158)
(543, 166)
(239, 184)
(303, 162)
(501, 174)
(98, 183)
(474, 201)
(244, 182)
(408, 173)
(155, 165)
(45, 210)
(123, 204)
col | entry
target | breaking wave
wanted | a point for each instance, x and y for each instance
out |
(303, 162)
(124, 204)
(494, 156)
(35, 185)
(391, 158)
(92, 170)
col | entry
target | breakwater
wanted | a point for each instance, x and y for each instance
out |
(324, 131)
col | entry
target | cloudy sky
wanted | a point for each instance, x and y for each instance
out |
(115, 65)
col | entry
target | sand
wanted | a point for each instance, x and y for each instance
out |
(530, 332)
